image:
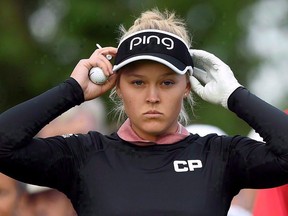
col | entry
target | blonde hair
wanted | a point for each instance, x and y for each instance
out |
(165, 21)
(154, 19)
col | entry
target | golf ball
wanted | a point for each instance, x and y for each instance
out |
(97, 76)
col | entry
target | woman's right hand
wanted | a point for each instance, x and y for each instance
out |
(97, 59)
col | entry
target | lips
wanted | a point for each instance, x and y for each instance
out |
(153, 114)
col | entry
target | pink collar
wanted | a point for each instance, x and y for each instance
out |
(126, 133)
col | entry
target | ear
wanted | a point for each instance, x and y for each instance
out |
(188, 88)
(118, 91)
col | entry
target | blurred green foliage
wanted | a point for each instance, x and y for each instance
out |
(30, 66)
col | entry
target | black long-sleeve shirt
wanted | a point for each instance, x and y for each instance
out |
(105, 175)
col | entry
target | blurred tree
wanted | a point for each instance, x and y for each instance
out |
(41, 41)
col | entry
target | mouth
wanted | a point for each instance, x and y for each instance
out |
(153, 114)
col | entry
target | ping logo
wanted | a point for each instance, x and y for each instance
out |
(185, 166)
(167, 42)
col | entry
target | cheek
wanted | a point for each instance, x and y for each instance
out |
(8, 203)
(176, 104)
(128, 95)
(130, 104)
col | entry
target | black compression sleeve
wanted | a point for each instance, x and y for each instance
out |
(270, 122)
(21, 123)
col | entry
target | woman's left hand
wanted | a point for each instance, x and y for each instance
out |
(215, 82)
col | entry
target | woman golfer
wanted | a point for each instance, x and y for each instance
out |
(151, 166)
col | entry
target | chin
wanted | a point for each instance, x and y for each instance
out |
(155, 129)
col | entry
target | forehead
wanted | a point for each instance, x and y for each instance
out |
(6, 181)
(147, 66)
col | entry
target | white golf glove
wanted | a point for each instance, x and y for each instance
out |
(212, 79)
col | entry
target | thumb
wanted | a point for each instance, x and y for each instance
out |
(202, 75)
(196, 86)
(110, 83)
(95, 90)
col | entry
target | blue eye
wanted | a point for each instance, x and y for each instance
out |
(168, 83)
(137, 82)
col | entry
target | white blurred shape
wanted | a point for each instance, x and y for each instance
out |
(44, 22)
(267, 39)
(204, 129)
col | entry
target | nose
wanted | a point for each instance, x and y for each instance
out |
(153, 95)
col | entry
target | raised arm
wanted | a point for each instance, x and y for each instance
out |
(19, 150)
(262, 164)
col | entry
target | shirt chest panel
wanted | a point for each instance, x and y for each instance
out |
(136, 182)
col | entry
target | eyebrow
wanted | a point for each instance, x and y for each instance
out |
(169, 73)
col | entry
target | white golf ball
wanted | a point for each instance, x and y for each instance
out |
(97, 76)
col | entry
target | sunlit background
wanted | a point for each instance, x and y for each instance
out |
(41, 42)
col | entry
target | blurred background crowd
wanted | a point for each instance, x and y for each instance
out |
(42, 40)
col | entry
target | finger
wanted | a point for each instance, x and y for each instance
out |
(99, 60)
(101, 57)
(111, 81)
(109, 84)
(196, 85)
(201, 75)
(205, 60)
(94, 91)
(108, 51)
